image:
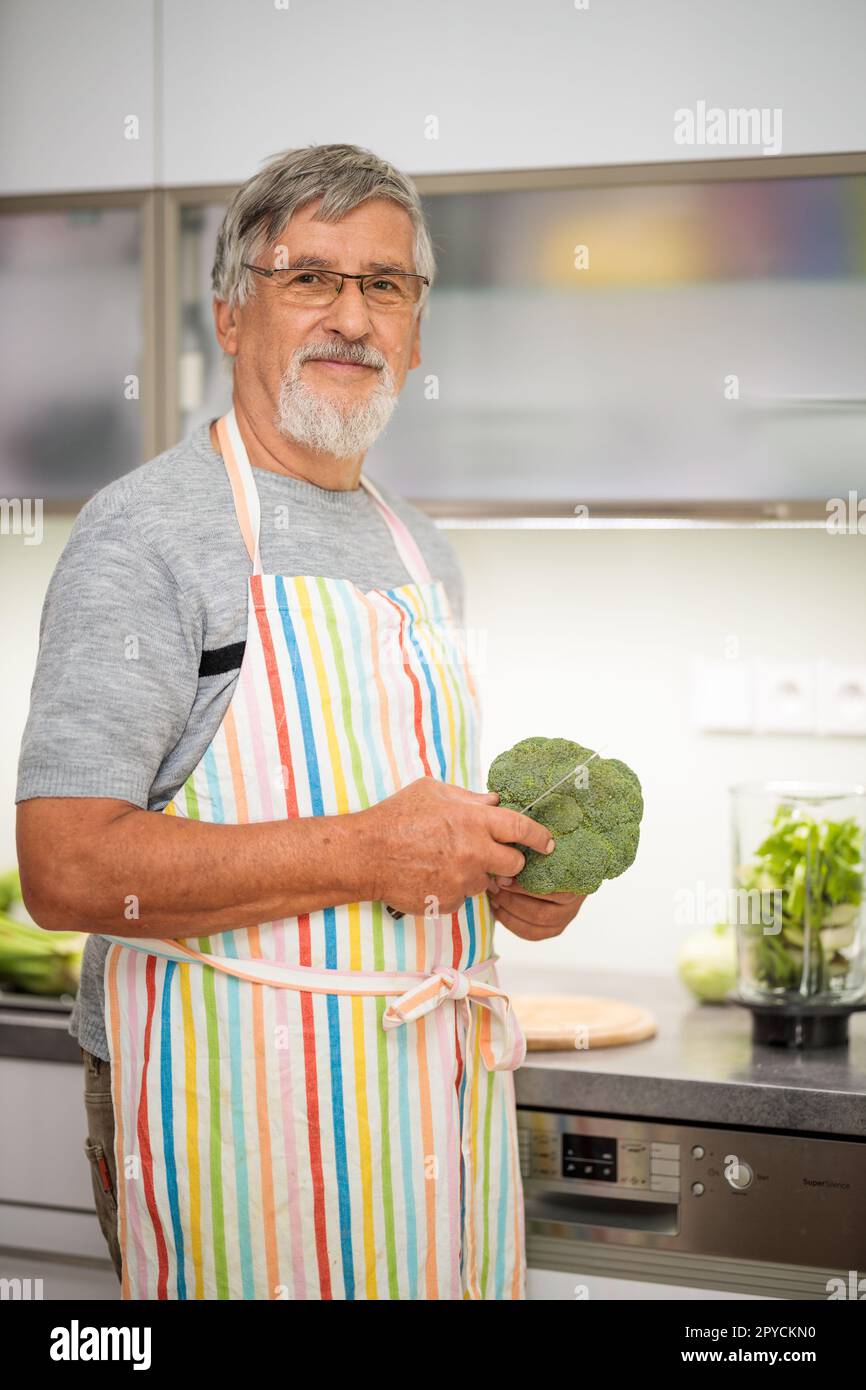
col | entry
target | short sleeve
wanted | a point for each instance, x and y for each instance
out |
(117, 669)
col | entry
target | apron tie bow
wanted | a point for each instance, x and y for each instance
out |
(460, 983)
(503, 1046)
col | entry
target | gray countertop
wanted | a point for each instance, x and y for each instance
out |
(36, 1029)
(700, 1067)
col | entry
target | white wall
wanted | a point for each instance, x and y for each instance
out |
(513, 84)
(24, 574)
(589, 635)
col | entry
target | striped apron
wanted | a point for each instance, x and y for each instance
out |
(322, 1107)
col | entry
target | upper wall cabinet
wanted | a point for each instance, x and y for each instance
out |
(495, 84)
(77, 96)
(507, 84)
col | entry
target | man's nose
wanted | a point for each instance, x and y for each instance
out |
(348, 314)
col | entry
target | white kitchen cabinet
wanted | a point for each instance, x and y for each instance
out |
(46, 1197)
(76, 96)
(498, 84)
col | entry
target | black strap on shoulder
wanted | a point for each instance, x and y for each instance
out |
(222, 659)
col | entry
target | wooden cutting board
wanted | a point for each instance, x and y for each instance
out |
(553, 1022)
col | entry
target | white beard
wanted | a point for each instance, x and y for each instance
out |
(343, 431)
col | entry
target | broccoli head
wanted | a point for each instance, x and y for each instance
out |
(594, 817)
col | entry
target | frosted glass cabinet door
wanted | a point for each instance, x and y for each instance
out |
(686, 344)
(650, 345)
(71, 349)
(204, 383)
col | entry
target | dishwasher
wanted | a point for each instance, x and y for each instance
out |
(618, 1208)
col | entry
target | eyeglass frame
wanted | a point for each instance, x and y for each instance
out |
(343, 274)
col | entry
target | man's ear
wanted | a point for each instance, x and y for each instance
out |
(225, 327)
(415, 356)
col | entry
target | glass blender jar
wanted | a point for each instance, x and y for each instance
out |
(799, 910)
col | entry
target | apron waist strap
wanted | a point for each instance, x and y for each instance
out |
(502, 1044)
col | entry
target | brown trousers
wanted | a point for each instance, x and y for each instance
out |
(99, 1148)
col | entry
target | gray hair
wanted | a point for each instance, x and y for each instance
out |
(342, 176)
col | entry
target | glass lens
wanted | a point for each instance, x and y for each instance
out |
(391, 290)
(308, 286)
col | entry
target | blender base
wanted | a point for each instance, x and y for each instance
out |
(800, 1025)
(829, 1030)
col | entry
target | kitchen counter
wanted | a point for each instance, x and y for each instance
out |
(701, 1067)
(36, 1030)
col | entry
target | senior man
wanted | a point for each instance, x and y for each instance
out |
(251, 772)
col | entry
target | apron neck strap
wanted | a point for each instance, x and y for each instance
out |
(243, 485)
(404, 542)
(248, 510)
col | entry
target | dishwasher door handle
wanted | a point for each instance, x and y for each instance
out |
(579, 1209)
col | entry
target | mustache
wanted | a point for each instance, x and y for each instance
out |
(355, 353)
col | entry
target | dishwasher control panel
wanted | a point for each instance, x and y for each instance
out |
(631, 1165)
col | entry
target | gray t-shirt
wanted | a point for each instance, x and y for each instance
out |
(144, 621)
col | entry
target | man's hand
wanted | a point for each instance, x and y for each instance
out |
(534, 916)
(434, 840)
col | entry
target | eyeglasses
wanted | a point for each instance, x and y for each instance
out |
(314, 289)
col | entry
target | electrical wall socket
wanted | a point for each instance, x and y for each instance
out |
(779, 697)
(841, 699)
(786, 698)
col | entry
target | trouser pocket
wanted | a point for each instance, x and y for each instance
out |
(99, 1150)
(104, 1198)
